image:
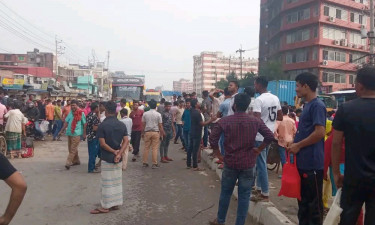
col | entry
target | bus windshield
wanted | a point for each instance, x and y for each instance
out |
(128, 92)
(155, 97)
(328, 101)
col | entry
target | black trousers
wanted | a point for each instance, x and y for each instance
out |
(136, 141)
(352, 199)
(310, 210)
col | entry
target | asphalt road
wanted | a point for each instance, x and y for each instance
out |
(171, 195)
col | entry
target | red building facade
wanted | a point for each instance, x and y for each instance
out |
(319, 36)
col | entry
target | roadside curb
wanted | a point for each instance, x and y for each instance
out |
(264, 213)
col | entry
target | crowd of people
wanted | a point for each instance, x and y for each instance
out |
(238, 128)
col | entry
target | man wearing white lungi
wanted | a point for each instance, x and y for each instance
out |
(113, 138)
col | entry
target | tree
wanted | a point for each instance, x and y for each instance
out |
(273, 70)
(222, 84)
(232, 76)
(247, 80)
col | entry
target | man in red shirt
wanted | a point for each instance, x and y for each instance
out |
(239, 131)
(136, 116)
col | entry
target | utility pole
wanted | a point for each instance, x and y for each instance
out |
(371, 34)
(108, 60)
(240, 51)
(59, 51)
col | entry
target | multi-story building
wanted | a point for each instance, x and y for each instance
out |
(183, 85)
(210, 67)
(30, 59)
(320, 36)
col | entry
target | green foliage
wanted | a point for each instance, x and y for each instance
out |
(222, 84)
(273, 70)
(247, 80)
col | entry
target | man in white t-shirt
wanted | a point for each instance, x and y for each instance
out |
(267, 107)
(233, 89)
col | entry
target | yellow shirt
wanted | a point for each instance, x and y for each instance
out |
(119, 115)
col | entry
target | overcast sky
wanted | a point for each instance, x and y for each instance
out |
(157, 38)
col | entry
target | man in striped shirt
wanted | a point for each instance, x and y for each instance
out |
(239, 131)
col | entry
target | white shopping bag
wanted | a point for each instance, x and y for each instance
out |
(44, 126)
(333, 216)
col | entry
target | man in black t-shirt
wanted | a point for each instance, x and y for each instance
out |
(196, 133)
(18, 185)
(355, 121)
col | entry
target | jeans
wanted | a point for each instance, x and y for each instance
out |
(282, 155)
(221, 144)
(58, 124)
(205, 136)
(310, 208)
(229, 178)
(37, 129)
(352, 199)
(136, 141)
(164, 145)
(179, 133)
(186, 139)
(192, 152)
(50, 126)
(261, 170)
(93, 147)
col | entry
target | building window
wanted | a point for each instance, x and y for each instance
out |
(315, 54)
(352, 79)
(358, 18)
(333, 33)
(356, 38)
(338, 14)
(331, 77)
(297, 16)
(357, 58)
(297, 56)
(316, 10)
(8, 58)
(326, 10)
(297, 36)
(334, 55)
(21, 58)
(315, 32)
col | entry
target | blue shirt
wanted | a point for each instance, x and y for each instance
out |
(311, 157)
(224, 107)
(187, 119)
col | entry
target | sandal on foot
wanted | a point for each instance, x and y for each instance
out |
(199, 169)
(114, 208)
(99, 211)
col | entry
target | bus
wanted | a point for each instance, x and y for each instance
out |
(128, 87)
(153, 94)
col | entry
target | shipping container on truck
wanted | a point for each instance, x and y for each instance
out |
(285, 90)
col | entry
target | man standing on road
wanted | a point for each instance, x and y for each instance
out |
(354, 123)
(240, 155)
(309, 149)
(285, 132)
(18, 185)
(186, 123)
(207, 105)
(76, 124)
(197, 124)
(50, 110)
(160, 108)
(123, 105)
(178, 119)
(223, 112)
(58, 120)
(113, 138)
(136, 116)
(92, 139)
(152, 131)
(129, 124)
(233, 90)
(267, 108)
(169, 133)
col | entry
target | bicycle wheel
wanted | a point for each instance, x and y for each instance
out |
(3, 145)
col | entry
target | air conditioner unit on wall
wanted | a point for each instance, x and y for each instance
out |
(336, 42)
(325, 63)
(350, 45)
(331, 19)
(354, 45)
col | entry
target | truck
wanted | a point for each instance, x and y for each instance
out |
(152, 94)
(129, 87)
